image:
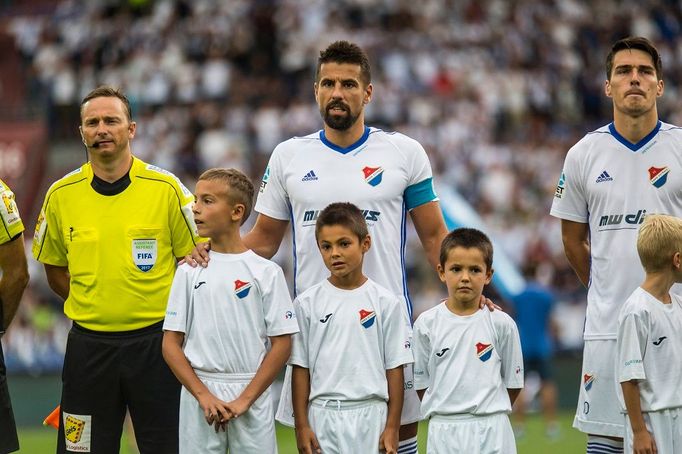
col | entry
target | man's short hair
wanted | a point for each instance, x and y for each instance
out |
(467, 238)
(239, 187)
(345, 214)
(345, 52)
(639, 43)
(659, 238)
(105, 91)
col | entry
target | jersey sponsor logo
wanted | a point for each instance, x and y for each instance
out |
(77, 432)
(588, 380)
(367, 318)
(373, 175)
(617, 219)
(144, 253)
(484, 351)
(241, 288)
(310, 217)
(325, 318)
(199, 284)
(8, 209)
(604, 176)
(658, 176)
(560, 187)
(310, 176)
(660, 340)
(41, 226)
(442, 352)
(264, 181)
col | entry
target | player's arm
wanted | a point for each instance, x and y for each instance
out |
(396, 390)
(273, 362)
(215, 410)
(643, 441)
(513, 394)
(576, 239)
(59, 279)
(300, 391)
(14, 278)
(266, 235)
(430, 226)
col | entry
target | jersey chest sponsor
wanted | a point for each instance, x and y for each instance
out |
(310, 217)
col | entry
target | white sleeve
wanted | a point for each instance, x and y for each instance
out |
(179, 299)
(632, 338)
(273, 199)
(421, 349)
(397, 345)
(299, 347)
(280, 317)
(570, 200)
(509, 349)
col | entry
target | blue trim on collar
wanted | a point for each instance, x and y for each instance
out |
(638, 145)
(350, 148)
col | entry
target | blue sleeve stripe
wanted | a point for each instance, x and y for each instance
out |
(419, 194)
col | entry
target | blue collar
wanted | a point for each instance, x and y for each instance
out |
(638, 145)
(342, 150)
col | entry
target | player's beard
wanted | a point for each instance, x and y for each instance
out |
(339, 122)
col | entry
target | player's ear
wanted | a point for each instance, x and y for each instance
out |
(368, 94)
(441, 272)
(489, 276)
(660, 87)
(607, 88)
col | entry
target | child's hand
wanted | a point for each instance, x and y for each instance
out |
(644, 443)
(215, 411)
(238, 407)
(388, 442)
(307, 441)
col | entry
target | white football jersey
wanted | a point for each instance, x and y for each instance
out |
(466, 362)
(348, 339)
(650, 350)
(611, 184)
(228, 310)
(384, 174)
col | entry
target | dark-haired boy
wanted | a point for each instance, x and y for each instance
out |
(348, 358)
(468, 365)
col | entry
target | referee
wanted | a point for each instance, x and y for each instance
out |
(108, 235)
(12, 285)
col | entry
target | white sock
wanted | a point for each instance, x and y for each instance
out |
(601, 445)
(408, 446)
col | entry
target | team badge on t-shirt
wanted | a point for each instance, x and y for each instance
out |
(658, 175)
(588, 379)
(367, 318)
(373, 175)
(484, 351)
(144, 254)
(241, 288)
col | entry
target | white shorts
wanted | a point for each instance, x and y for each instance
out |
(666, 428)
(411, 402)
(599, 411)
(253, 431)
(348, 427)
(470, 434)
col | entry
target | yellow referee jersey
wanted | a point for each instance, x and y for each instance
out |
(120, 249)
(9, 215)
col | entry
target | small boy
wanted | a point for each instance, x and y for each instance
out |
(348, 359)
(649, 343)
(468, 367)
(218, 323)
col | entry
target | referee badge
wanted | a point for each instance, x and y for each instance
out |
(144, 254)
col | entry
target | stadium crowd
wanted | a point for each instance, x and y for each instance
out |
(496, 91)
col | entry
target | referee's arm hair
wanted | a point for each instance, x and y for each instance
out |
(266, 235)
(59, 279)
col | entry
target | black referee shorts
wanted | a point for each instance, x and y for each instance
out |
(8, 430)
(105, 373)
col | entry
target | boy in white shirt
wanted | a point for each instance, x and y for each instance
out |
(468, 365)
(219, 322)
(649, 343)
(348, 357)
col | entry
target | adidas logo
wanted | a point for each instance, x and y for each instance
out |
(604, 177)
(310, 176)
